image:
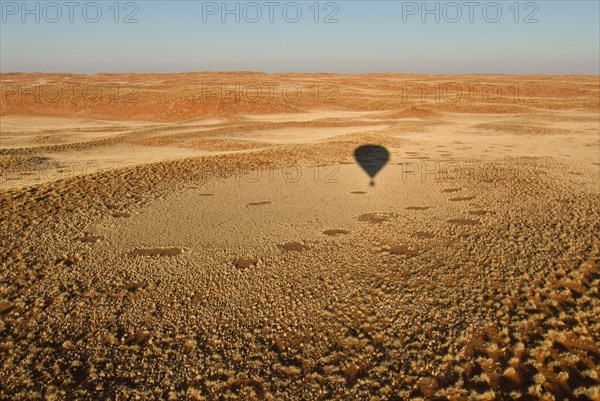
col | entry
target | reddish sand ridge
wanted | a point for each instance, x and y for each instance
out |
(175, 97)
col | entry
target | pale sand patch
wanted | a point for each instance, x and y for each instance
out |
(288, 136)
(63, 165)
(37, 123)
(294, 211)
(454, 138)
(316, 114)
(206, 121)
(28, 131)
(32, 131)
(457, 136)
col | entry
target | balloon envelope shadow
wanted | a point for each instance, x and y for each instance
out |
(371, 158)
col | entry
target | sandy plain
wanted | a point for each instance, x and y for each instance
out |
(187, 236)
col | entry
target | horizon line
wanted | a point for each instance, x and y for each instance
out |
(293, 72)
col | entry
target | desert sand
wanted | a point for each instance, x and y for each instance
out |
(171, 241)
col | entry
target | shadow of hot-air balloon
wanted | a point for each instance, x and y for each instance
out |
(371, 158)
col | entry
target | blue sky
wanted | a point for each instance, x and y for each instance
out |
(369, 36)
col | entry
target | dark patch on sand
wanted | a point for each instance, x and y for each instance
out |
(464, 222)
(258, 203)
(245, 263)
(481, 212)
(156, 252)
(293, 246)
(375, 217)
